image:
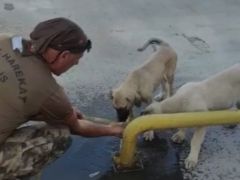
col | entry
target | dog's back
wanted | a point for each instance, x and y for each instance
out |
(229, 75)
(223, 89)
(162, 63)
(220, 91)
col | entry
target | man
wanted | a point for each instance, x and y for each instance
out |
(28, 91)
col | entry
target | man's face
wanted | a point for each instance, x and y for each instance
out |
(60, 62)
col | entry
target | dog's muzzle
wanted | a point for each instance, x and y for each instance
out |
(122, 114)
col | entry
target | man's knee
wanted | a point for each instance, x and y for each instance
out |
(30, 148)
(59, 136)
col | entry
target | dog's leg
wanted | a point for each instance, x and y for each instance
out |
(179, 136)
(166, 90)
(170, 81)
(166, 87)
(232, 126)
(148, 135)
(196, 142)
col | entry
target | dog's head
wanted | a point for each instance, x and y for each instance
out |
(123, 102)
(153, 108)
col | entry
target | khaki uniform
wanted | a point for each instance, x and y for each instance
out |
(28, 91)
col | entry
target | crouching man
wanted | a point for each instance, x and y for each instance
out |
(28, 91)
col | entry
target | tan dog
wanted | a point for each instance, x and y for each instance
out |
(140, 84)
(221, 91)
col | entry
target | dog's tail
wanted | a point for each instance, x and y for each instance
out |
(152, 42)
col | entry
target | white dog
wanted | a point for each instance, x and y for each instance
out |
(218, 92)
(140, 84)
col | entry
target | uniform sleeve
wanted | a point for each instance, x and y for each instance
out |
(57, 108)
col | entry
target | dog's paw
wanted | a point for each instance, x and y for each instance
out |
(148, 136)
(178, 137)
(190, 163)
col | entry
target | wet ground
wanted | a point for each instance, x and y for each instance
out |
(205, 35)
(160, 160)
(93, 161)
(91, 158)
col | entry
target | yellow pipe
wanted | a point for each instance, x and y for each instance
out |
(126, 159)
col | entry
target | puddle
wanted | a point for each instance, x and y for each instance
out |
(160, 159)
(92, 159)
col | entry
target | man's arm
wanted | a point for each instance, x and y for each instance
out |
(58, 110)
(88, 128)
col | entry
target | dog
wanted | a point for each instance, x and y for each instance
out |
(218, 92)
(140, 84)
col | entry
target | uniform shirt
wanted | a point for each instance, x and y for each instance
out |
(27, 90)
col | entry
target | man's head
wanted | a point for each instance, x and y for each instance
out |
(60, 42)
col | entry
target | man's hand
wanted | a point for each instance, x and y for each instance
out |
(118, 128)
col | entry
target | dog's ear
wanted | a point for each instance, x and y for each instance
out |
(137, 100)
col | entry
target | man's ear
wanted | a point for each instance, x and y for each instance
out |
(65, 54)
